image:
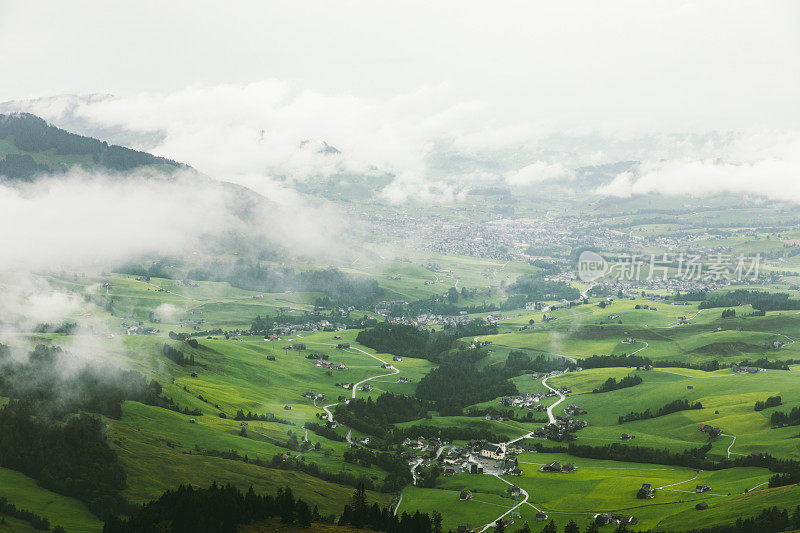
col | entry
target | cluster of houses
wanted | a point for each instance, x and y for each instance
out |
(555, 466)
(291, 329)
(710, 430)
(329, 365)
(296, 346)
(311, 395)
(526, 400)
(573, 410)
(740, 369)
(138, 329)
(476, 457)
(429, 319)
(604, 519)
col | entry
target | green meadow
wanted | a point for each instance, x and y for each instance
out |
(60, 510)
(238, 374)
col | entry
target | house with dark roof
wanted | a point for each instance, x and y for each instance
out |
(702, 488)
(555, 466)
(646, 492)
(465, 495)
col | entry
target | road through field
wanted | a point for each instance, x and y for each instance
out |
(524, 500)
(549, 411)
(731, 444)
(327, 408)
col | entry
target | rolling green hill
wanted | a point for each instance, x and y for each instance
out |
(29, 146)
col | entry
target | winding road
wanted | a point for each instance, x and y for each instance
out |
(680, 482)
(327, 408)
(524, 500)
(731, 444)
(549, 411)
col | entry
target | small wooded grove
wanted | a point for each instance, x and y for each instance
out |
(607, 361)
(791, 418)
(71, 458)
(611, 384)
(407, 340)
(770, 519)
(374, 416)
(772, 401)
(671, 407)
(761, 300)
(220, 509)
(36, 521)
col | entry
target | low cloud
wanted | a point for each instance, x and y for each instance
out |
(82, 220)
(539, 172)
(766, 166)
(430, 145)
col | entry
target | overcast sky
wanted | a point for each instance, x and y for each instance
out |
(723, 65)
(236, 87)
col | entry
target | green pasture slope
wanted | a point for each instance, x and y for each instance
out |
(598, 486)
(60, 510)
(727, 398)
(236, 374)
(587, 330)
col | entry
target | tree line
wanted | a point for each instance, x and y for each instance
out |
(792, 418)
(71, 458)
(458, 382)
(398, 474)
(32, 134)
(786, 471)
(221, 509)
(611, 384)
(37, 522)
(375, 417)
(342, 289)
(772, 401)
(608, 361)
(40, 383)
(536, 288)
(770, 519)
(407, 340)
(671, 407)
(64, 453)
(761, 300)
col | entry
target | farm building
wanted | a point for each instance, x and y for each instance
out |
(646, 492)
(465, 495)
(702, 506)
(555, 466)
(702, 488)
